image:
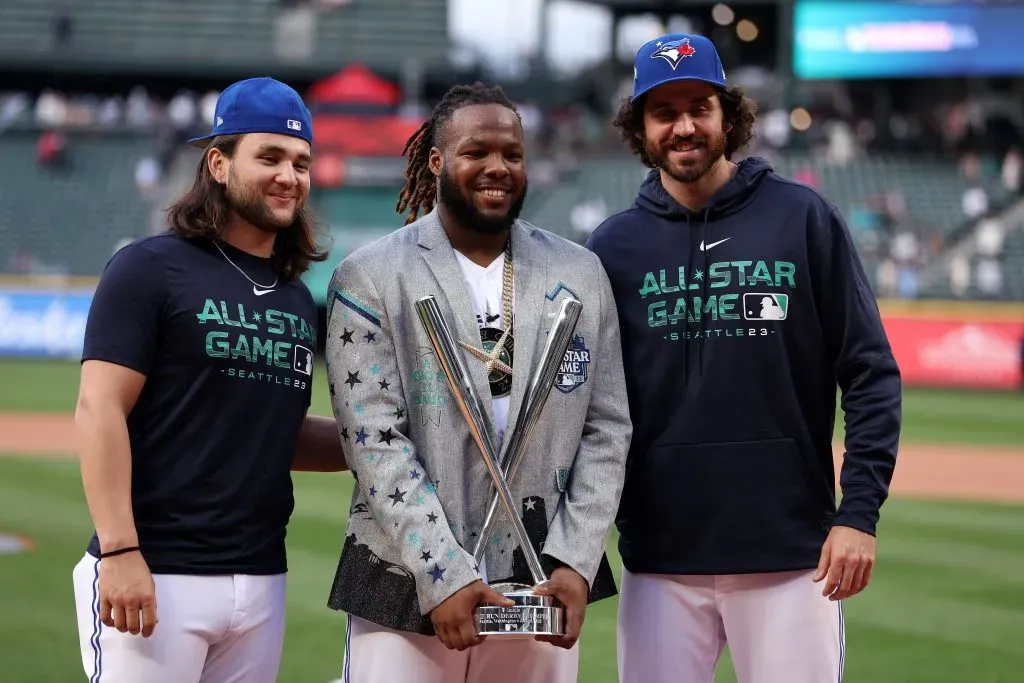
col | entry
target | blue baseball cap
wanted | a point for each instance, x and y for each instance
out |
(676, 57)
(259, 105)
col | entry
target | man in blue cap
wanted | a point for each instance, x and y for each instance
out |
(743, 306)
(196, 380)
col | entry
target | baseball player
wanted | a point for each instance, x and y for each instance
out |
(407, 576)
(743, 307)
(195, 382)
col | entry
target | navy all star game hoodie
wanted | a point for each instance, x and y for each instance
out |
(738, 322)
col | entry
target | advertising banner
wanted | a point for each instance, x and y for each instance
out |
(843, 39)
(946, 352)
(43, 323)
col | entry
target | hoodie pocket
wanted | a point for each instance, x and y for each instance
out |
(731, 506)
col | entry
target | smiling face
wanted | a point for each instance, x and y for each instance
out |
(481, 168)
(266, 179)
(684, 129)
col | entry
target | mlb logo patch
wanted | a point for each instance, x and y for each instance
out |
(765, 306)
(303, 360)
(294, 125)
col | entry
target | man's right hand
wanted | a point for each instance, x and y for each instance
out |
(453, 619)
(126, 590)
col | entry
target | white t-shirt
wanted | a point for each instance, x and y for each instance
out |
(484, 283)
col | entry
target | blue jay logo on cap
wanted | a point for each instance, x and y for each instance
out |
(674, 52)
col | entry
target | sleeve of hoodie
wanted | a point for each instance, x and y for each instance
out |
(865, 369)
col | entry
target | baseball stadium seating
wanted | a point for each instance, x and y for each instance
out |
(255, 35)
(69, 220)
(931, 189)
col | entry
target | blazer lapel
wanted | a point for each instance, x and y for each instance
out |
(530, 272)
(440, 258)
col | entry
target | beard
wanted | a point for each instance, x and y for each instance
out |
(683, 172)
(248, 202)
(468, 216)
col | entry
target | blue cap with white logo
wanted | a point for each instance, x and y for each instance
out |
(676, 57)
(259, 105)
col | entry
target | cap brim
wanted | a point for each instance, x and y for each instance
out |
(200, 143)
(718, 84)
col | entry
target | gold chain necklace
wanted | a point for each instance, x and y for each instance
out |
(490, 360)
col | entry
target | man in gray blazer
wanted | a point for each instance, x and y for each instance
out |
(407, 576)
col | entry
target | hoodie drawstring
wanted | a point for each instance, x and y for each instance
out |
(685, 284)
(703, 292)
(697, 311)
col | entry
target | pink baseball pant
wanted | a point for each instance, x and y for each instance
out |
(778, 626)
(374, 654)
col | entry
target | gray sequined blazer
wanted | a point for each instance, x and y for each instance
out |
(422, 487)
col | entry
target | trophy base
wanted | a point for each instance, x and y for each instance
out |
(532, 614)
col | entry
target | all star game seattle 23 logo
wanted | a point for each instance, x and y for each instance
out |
(575, 368)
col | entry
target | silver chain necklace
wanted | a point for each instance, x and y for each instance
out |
(255, 284)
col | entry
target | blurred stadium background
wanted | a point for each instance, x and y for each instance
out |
(908, 115)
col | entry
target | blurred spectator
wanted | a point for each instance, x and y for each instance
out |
(147, 174)
(63, 27)
(207, 107)
(905, 252)
(108, 114)
(588, 214)
(989, 237)
(886, 280)
(181, 111)
(13, 107)
(51, 109)
(1011, 171)
(974, 203)
(807, 176)
(959, 275)
(138, 111)
(989, 274)
(51, 150)
(774, 128)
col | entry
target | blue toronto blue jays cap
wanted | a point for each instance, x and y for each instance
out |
(259, 105)
(676, 57)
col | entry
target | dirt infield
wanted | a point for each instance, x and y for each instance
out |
(964, 472)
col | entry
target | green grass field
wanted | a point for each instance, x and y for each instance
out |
(946, 604)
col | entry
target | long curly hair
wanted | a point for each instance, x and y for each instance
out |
(203, 211)
(419, 193)
(737, 109)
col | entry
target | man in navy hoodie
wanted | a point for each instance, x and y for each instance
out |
(743, 307)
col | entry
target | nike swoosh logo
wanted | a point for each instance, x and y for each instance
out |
(260, 292)
(713, 244)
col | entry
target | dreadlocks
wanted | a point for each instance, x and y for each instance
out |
(418, 195)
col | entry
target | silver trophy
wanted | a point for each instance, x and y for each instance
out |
(532, 614)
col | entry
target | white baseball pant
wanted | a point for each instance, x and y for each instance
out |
(374, 654)
(779, 628)
(212, 629)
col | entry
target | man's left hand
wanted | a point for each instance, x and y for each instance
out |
(570, 589)
(847, 558)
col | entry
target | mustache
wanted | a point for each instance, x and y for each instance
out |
(678, 143)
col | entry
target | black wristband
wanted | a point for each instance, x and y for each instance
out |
(121, 551)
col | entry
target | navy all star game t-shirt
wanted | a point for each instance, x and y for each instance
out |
(228, 369)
